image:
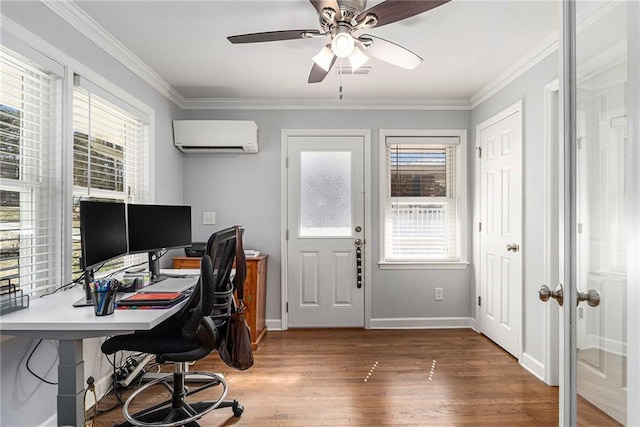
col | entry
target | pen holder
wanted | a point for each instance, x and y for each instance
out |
(104, 302)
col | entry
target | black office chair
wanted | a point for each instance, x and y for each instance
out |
(190, 335)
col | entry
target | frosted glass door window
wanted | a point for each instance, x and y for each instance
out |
(325, 194)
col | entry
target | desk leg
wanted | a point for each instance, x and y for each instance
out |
(70, 383)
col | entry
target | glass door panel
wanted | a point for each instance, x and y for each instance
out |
(601, 229)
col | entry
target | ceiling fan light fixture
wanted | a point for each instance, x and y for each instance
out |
(324, 58)
(342, 45)
(357, 59)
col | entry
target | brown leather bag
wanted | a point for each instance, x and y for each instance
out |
(235, 347)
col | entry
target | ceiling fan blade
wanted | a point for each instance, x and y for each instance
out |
(272, 36)
(331, 4)
(396, 10)
(390, 52)
(318, 73)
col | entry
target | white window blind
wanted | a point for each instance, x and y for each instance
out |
(110, 152)
(30, 175)
(421, 206)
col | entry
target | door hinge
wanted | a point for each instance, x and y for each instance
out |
(479, 300)
(286, 162)
(479, 151)
(479, 226)
(286, 235)
(287, 308)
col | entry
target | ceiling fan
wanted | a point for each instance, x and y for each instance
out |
(343, 21)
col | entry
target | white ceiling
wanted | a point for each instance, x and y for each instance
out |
(465, 44)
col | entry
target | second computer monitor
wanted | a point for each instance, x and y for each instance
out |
(154, 228)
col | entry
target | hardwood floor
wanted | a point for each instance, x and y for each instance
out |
(356, 377)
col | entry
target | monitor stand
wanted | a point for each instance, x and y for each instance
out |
(87, 301)
(154, 267)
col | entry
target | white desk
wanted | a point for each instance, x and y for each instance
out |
(53, 318)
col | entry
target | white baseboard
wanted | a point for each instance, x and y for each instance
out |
(274, 324)
(474, 325)
(52, 421)
(607, 344)
(422, 323)
(404, 323)
(535, 367)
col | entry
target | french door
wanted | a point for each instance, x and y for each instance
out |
(600, 331)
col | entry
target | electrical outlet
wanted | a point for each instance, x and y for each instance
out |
(208, 218)
(438, 294)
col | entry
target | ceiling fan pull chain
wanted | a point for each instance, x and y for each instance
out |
(340, 94)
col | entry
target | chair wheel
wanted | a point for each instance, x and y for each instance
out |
(237, 408)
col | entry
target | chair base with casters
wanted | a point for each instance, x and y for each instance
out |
(177, 410)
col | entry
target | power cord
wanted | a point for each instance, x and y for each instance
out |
(65, 286)
(90, 388)
(29, 369)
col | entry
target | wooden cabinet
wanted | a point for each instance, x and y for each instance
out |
(255, 292)
(186, 262)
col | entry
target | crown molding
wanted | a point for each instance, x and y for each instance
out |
(87, 26)
(588, 17)
(324, 104)
(516, 70)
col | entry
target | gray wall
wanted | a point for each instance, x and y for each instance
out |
(24, 399)
(530, 89)
(245, 189)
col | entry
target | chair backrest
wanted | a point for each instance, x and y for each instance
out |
(221, 248)
(213, 295)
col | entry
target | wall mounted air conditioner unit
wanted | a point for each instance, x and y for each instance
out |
(216, 136)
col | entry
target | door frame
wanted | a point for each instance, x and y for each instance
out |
(284, 197)
(633, 179)
(512, 109)
(552, 187)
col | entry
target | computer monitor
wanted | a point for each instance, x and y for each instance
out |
(103, 236)
(154, 228)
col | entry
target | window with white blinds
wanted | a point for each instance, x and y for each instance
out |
(421, 212)
(30, 175)
(110, 152)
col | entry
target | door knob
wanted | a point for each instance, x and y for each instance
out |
(545, 293)
(512, 247)
(592, 297)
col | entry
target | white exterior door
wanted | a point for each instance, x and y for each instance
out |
(500, 142)
(325, 227)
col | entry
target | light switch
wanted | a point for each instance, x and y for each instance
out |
(208, 218)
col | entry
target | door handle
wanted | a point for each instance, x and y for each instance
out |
(545, 293)
(592, 296)
(358, 243)
(513, 247)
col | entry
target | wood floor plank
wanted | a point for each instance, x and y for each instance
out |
(356, 377)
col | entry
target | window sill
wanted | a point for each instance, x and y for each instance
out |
(453, 265)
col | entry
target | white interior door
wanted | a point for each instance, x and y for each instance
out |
(325, 223)
(501, 228)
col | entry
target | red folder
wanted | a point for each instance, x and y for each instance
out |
(158, 298)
